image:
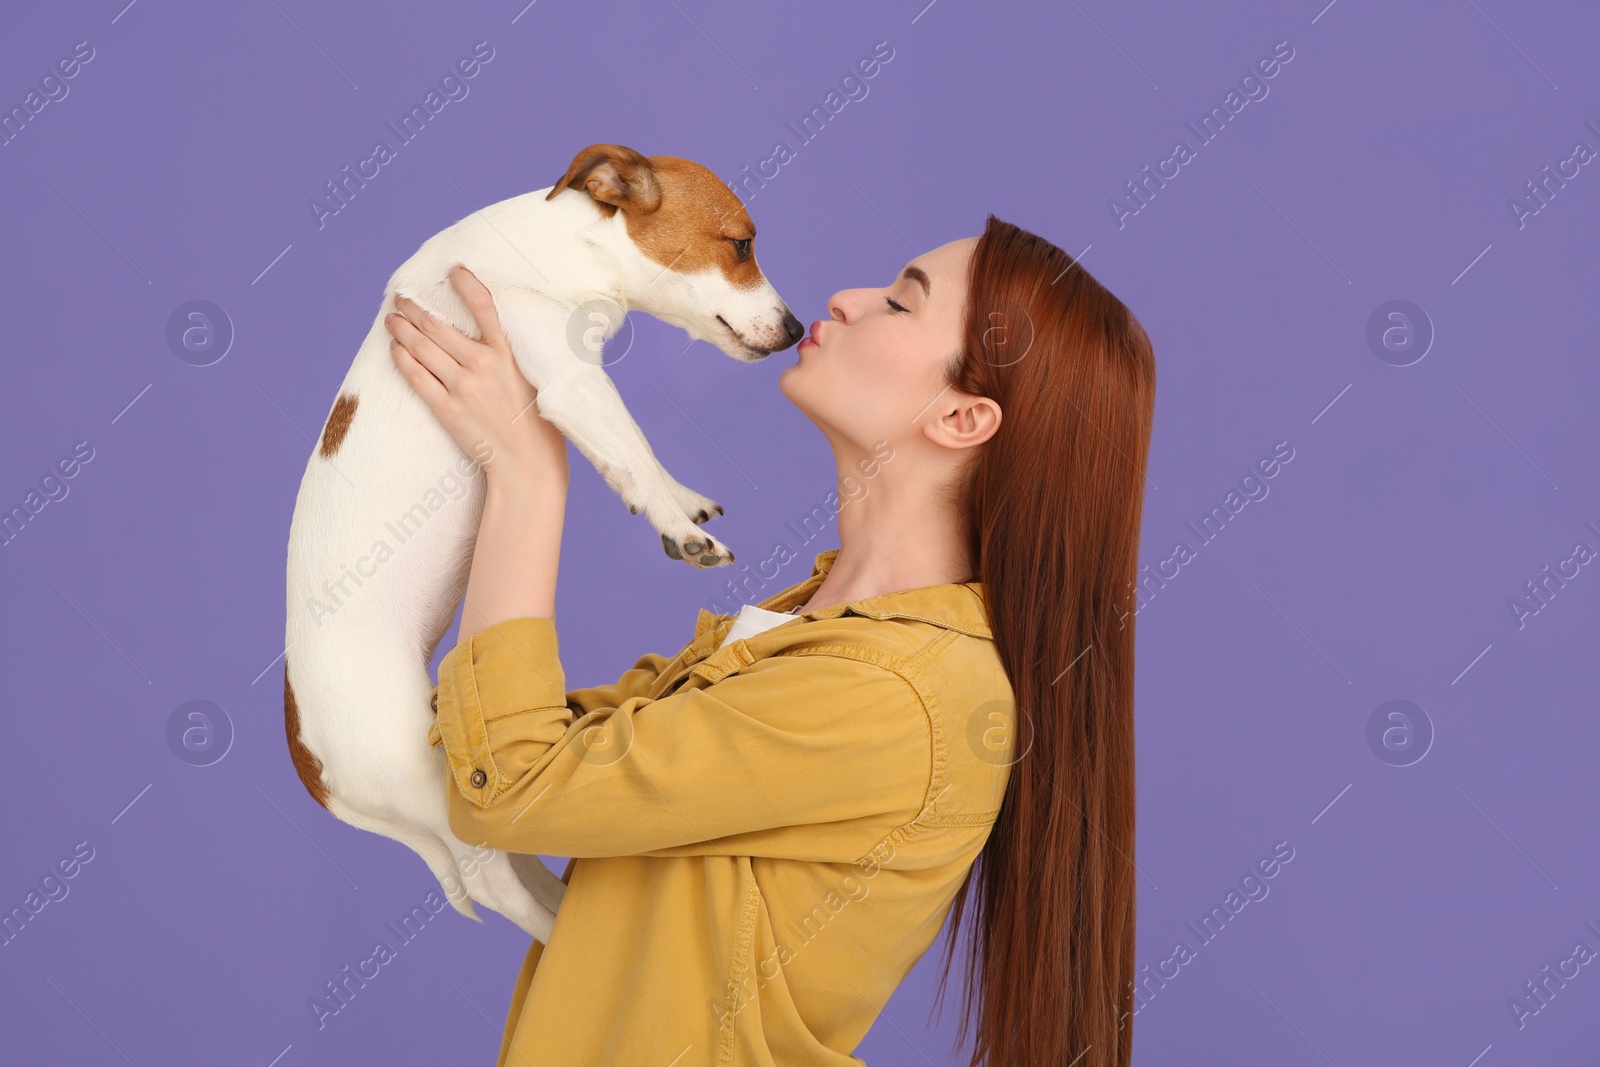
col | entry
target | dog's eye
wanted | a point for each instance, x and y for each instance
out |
(741, 247)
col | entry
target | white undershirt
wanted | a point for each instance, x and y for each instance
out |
(751, 620)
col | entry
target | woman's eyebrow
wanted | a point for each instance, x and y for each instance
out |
(918, 275)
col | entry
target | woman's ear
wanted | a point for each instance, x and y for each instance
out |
(615, 176)
(965, 421)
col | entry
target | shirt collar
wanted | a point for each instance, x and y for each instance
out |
(955, 606)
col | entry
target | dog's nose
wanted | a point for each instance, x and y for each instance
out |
(792, 327)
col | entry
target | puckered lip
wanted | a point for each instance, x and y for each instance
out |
(815, 336)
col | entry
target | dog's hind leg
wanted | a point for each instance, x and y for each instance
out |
(442, 862)
(493, 883)
(546, 887)
(470, 873)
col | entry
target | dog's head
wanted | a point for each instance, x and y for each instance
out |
(698, 268)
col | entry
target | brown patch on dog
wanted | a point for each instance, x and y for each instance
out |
(679, 213)
(344, 410)
(306, 765)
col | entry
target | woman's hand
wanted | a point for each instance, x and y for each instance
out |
(474, 387)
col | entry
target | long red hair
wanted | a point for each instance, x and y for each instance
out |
(1052, 504)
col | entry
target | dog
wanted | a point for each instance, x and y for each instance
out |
(380, 544)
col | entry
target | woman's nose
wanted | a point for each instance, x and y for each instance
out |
(839, 305)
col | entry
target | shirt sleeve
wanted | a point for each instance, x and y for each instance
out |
(815, 756)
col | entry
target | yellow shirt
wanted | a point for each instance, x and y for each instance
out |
(765, 837)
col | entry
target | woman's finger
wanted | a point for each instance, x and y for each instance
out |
(441, 364)
(480, 302)
(421, 379)
(450, 340)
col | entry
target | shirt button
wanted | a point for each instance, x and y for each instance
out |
(478, 778)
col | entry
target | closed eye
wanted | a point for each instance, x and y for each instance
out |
(893, 305)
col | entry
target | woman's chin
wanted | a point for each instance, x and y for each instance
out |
(786, 378)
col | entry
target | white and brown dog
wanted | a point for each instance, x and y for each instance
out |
(381, 540)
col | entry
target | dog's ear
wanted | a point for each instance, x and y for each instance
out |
(614, 175)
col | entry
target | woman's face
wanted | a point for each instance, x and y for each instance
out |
(868, 372)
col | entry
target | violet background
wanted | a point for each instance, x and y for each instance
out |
(1419, 501)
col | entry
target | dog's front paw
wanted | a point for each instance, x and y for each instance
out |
(697, 507)
(697, 550)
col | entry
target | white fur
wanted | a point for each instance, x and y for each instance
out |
(356, 656)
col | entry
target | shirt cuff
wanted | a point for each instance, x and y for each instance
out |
(509, 668)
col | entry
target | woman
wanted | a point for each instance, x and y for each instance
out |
(768, 830)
